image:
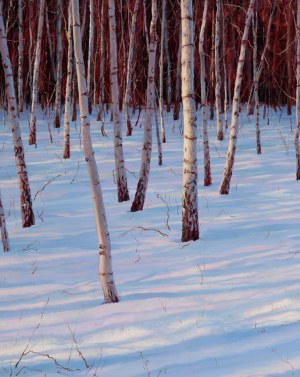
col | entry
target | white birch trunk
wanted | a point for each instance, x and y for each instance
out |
(296, 139)
(206, 154)
(121, 178)
(159, 147)
(161, 71)
(91, 55)
(68, 100)
(105, 266)
(130, 68)
(139, 200)
(20, 57)
(178, 79)
(57, 106)
(220, 135)
(34, 101)
(190, 223)
(4, 233)
(225, 185)
(24, 188)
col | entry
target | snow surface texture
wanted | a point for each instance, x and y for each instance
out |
(226, 305)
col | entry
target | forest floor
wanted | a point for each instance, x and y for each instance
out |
(226, 305)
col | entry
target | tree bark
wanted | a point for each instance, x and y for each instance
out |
(91, 55)
(130, 69)
(101, 74)
(68, 100)
(34, 102)
(225, 185)
(206, 153)
(4, 233)
(296, 139)
(178, 80)
(139, 200)
(220, 135)
(123, 194)
(105, 266)
(190, 223)
(57, 107)
(24, 187)
(20, 57)
(161, 71)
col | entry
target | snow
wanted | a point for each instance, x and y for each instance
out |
(226, 305)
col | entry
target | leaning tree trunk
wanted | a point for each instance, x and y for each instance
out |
(32, 135)
(161, 71)
(4, 233)
(105, 266)
(139, 200)
(121, 178)
(130, 69)
(57, 107)
(206, 154)
(225, 185)
(20, 58)
(220, 135)
(25, 195)
(68, 100)
(190, 223)
(296, 140)
(91, 55)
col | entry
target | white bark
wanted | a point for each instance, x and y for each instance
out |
(159, 147)
(206, 154)
(121, 178)
(91, 54)
(68, 100)
(105, 266)
(220, 135)
(4, 233)
(130, 68)
(138, 203)
(225, 185)
(161, 71)
(57, 106)
(24, 188)
(296, 139)
(32, 135)
(20, 57)
(190, 224)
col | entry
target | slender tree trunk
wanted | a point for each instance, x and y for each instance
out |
(220, 135)
(168, 64)
(190, 223)
(24, 187)
(130, 69)
(123, 194)
(68, 100)
(139, 200)
(206, 154)
(296, 139)
(101, 79)
(161, 71)
(34, 102)
(225, 185)
(105, 266)
(21, 57)
(57, 107)
(145, 26)
(226, 101)
(4, 233)
(91, 55)
(290, 71)
(159, 147)
(178, 80)
(53, 70)
(74, 96)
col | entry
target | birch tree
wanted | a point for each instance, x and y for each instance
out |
(20, 57)
(220, 135)
(57, 107)
(34, 101)
(121, 178)
(91, 55)
(4, 233)
(24, 187)
(139, 199)
(225, 185)
(190, 223)
(129, 74)
(206, 154)
(161, 71)
(296, 139)
(105, 265)
(68, 100)
(101, 73)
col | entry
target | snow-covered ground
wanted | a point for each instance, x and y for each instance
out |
(226, 305)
